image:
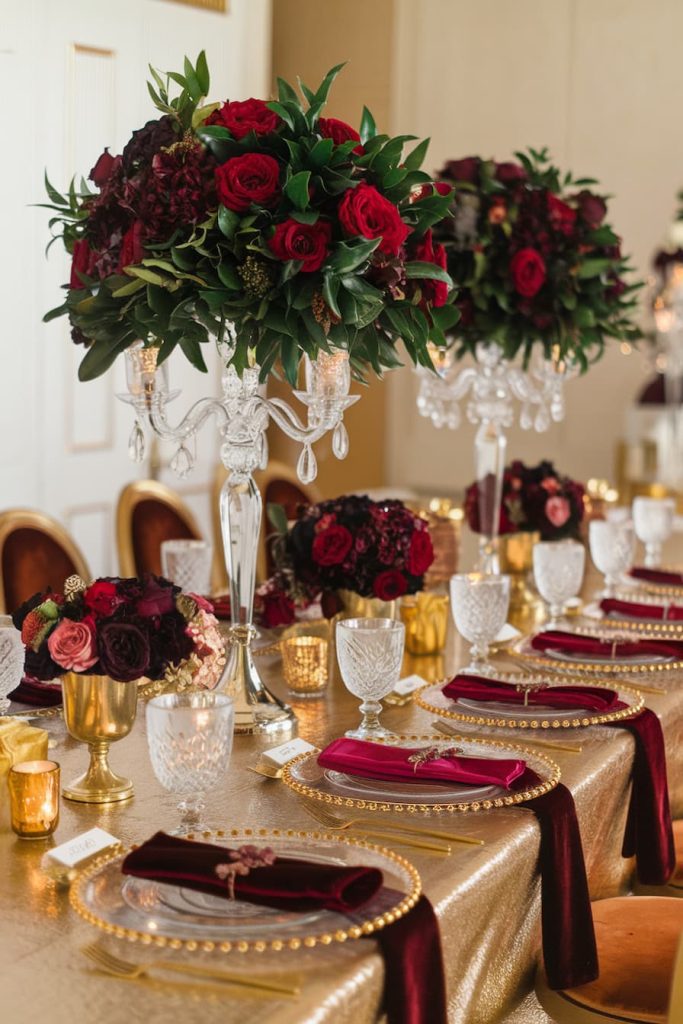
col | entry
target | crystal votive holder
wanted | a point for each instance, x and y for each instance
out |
(305, 665)
(34, 798)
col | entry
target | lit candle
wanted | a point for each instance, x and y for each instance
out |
(34, 798)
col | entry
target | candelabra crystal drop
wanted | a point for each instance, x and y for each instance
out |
(136, 443)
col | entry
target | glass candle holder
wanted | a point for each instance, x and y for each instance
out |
(305, 665)
(34, 798)
(187, 563)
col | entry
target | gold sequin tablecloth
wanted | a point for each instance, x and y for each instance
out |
(487, 897)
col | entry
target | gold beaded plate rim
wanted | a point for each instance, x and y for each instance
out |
(277, 944)
(635, 700)
(645, 629)
(550, 769)
(662, 589)
(519, 652)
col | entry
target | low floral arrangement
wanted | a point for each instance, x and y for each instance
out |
(123, 628)
(534, 260)
(535, 499)
(375, 549)
(299, 231)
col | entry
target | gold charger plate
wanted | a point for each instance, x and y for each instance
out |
(432, 699)
(304, 775)
(173, 917)
(524, 653)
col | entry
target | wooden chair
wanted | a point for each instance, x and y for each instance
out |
(35, 552)
(279, 485)
(640, 951)
(147, 514)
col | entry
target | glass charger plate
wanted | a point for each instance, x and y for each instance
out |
(560, 661)
(304, 775)
(178, 918)
(509, 716)
(648, 587)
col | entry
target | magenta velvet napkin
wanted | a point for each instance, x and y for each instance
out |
(671, 579)
(595, 647)
(381, 761)
(38, 694)
(482, 688)
(666, 613)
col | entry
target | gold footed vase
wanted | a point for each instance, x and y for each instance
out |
(515, 553)
(425, 616)
(98, 711)
(356, 607)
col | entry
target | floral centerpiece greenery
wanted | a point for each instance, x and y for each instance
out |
(534, 260)
(299, 231)
(122, 628)
(535, 499)
(375, 549)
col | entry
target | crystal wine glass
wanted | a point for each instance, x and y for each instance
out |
(370, 652)
(11, 659)
(653, 519)
(190, 741)
(611, 545)
(479, 605)
(558, 572)
(187, 563)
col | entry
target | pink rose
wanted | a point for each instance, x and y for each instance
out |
(557, 511)
(72, 645)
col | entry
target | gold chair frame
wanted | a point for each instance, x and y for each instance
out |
(30, 519)
(130, 497)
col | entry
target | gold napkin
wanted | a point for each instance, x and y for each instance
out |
(19, 741)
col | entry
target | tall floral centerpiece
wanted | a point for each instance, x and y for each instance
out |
(282, 237)
(541, 288)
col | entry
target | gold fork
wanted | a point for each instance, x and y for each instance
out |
(393, 831)
(129, 971)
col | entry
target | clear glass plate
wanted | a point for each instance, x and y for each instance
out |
(434, 792)
(519, 710)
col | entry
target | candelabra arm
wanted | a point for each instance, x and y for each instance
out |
(290, 424)
(192, 421)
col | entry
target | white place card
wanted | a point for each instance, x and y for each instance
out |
(83, 847)
(279, 756)
(409, 684)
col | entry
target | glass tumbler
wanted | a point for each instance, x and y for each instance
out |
(370, 652)
(653, 519)
(611, 545)
(558, 572)
(479, 605)
(187, 563)
(12, 655)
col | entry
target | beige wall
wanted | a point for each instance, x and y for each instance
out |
(598, 81)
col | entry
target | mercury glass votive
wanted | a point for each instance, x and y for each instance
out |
(305, 665)
(34, 798)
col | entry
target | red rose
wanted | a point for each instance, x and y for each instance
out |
(338, 131)
(243, 180)
(389, 585)
(435, 292)
(420, 553)
(508, 173)
(466, 169)
(157, 598)
(132, 250)
(101, 172)
(243, 116)
(592, 208)
(527, 268)
(82, 262)
(364, 211)
(562, 216)
(331, 546)
(557, 511)
(305, 242)
(102, 597)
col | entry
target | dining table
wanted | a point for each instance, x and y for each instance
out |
(486, 897)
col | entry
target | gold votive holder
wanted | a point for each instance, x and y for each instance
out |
(425, 617)
(34, 798)
(304, 663)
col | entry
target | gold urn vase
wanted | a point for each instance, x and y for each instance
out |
(515, 553)
(425, 616)
(98, 711)
(356, 607)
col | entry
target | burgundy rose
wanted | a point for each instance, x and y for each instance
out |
(146, 141)
(169, 643)
(508, 173)
(132, 250)
(243, 180)
(338, 131)
(102, 598)
(420, 553)
(557, 510)
(592, 208)
(158, 597)
(562, 216)
(243, 116)
(101, 172)
(389, 585)
(277, 609)
(527, 269)
(331, 546)
(72, 645)
(179, 190)
(124, 651)
(466, 169)
(366, 212)
(82, 262)
(39, 665)
(305, 242)
(435, 292)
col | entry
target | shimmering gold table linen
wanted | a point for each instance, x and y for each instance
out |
(487, 897)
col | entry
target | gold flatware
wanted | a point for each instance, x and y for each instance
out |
(127, 970)
(338, 824)
(449, 730)
(647, 689)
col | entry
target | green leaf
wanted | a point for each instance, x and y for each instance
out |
(321, 152)
(228, 221)
(192, 350)
(54, 313)
(418, 269)
(323, 89)
(281, 111)
(193, 86)
(289, 356)
(330, 292)
(348, 256)
(415, 158)
(445, 317)
(285, 92)
(229, 276)
(100, 357)
(278, 517)
(296, 189)
(128, 289)
(307, 217)
(368, 128)
(53, 193)
(203, 76)
(584, 317)
(594, 267)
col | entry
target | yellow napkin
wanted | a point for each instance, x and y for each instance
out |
(19, 741)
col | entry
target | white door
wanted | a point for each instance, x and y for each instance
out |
(72, 78)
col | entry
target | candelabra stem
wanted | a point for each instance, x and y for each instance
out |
(489, 452)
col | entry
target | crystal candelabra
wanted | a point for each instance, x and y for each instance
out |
(242, 415)
(492, 386)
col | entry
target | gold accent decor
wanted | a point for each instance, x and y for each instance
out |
(34, 798)
(98, 711)
(28, 519)
(219, 6)
(304, 665)
(276, 945)
(515, 552)
(425, 617)
(356, 607)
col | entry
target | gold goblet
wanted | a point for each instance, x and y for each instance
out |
(98, 711)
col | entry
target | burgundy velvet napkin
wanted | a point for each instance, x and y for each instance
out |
(482, 688)
(637, 610)
(381, 761)
(287, 884)
(673, 579)
(34, 692)
(595, 647)
(414, 985)
(221, 606)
